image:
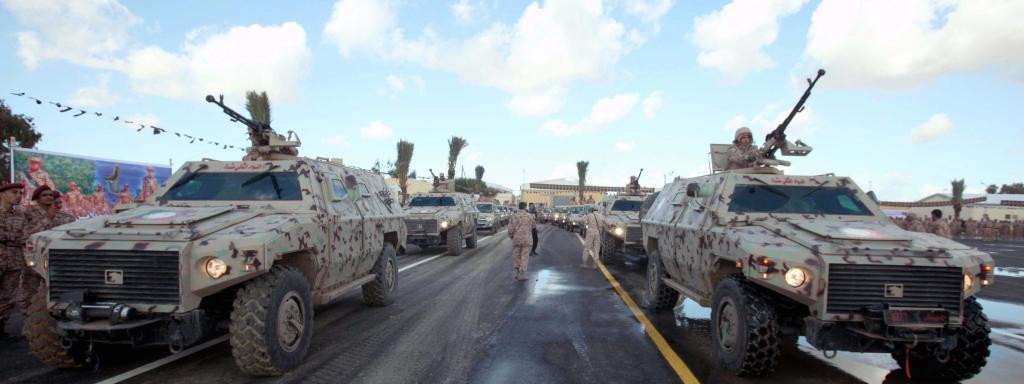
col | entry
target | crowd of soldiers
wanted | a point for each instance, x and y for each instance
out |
(986, 229)
(18, 282)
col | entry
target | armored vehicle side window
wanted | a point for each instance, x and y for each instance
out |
(627, 205)
(749, 198)
(338, 188)
(432, 201)
(238, 186)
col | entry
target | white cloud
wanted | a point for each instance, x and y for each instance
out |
(936, 126)
(144, 118)
(395, 84)
(892, 45)
(377, 130)
(463, 11)
(87, 33)
(625, 146)
(269, 58)
(653, 103)
(95, 96)
(604, 112)
(538, 104)
(735, 123)
(339, 140)
(732, 40)
(551, 45)
(650, 11)
(357, 25)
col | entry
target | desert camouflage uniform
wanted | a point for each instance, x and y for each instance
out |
(520, 229)
(13, 228)
(594, 223)
(941, 228)
(1004, 230)
(914, 224)
(741, 156)
(1018, 230)
(37, 221)
(972, 229)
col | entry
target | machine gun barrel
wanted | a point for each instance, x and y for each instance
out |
(639, 174)
(778, 135)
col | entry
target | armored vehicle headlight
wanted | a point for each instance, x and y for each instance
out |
(796, 277)
(968, 282)
(30, 261)
(216, 267)
(619, 231)
(444, 224)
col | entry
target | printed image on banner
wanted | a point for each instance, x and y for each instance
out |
(88, 186)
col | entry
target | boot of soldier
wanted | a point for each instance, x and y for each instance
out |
(520, 275)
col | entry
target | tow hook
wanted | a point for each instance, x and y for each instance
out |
(829, 354)
(177, 343)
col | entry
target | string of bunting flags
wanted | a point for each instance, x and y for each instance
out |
(64, 108)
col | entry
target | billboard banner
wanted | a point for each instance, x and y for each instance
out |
(88, 186)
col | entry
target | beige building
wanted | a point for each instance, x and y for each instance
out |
(560, 192)
(977, 207)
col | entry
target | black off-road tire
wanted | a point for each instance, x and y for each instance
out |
(656, 295)
(964, 361)
(379, 292)
(255, 340)
(755, 349)
(471, 241)
(454, 241)
(40, 330)
(607, 248)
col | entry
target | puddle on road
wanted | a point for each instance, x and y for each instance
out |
(1009, 271)
(549, 283)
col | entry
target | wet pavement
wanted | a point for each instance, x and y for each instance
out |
(464, 319)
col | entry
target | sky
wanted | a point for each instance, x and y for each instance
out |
(917, 92)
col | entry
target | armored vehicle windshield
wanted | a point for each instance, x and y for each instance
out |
(627, 205)
(753, 198)
(485, 208)
(432, 201)
(237, 186)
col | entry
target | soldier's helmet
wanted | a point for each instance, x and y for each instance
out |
(740, 133)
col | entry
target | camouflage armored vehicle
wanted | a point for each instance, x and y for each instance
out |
(244, 246)
(442, 218)
(490, 218)
(622, 221)
(778, 256)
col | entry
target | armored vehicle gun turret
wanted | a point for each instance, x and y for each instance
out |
(778, 256)
(243, 246)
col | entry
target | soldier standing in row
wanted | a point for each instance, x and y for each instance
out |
(519, 231)
(915, 224)
(533, 233)
(971, 229)
(594, 222)
(46, 214)
(742, 152)
(13, 228)
(939, 226)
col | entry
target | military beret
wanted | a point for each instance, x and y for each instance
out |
(8, 186)
(39, 191)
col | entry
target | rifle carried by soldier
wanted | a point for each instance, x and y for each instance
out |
(776, 139)
(267, 144)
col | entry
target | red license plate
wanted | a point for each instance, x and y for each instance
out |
(899, 316)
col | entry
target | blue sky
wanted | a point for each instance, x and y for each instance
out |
(917, 93)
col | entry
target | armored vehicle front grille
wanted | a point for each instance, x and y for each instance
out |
(416, 226)
(634, 234)
(147, 277)
(854, 286)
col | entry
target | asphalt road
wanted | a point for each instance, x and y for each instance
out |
(464, 319)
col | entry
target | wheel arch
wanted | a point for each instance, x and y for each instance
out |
(305, 262)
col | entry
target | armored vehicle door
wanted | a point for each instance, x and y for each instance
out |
(469, 214)
(347, 230)
(377, 206)
(689, 232)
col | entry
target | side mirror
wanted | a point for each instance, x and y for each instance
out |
(692, 190)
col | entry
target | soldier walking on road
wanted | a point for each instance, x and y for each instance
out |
(520, 227)
(594, 223)
(12, 240)
(46, 214)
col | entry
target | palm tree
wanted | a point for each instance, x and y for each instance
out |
(455, 145)
(404, 149)
(479, 177)
(581, 170)
(258, 105)
(958, 197)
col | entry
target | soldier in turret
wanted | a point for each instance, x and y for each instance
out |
(742, 152)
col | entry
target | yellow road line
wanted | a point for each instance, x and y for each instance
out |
(666, 351)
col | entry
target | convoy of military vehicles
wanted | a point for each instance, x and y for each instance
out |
(250, 247)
